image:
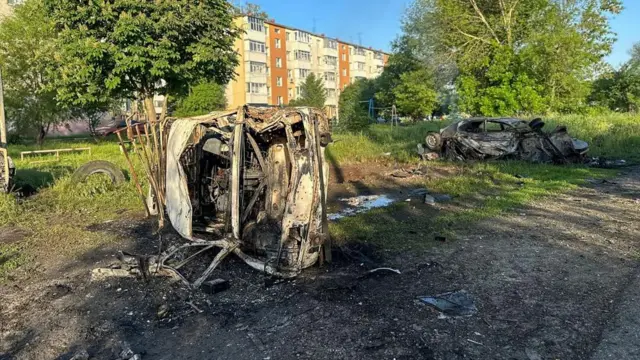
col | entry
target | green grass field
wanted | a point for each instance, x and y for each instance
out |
(55, 219)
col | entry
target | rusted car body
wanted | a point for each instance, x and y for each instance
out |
(505, 138)
(252, 182)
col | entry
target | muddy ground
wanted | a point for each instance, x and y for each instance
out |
(554, 280)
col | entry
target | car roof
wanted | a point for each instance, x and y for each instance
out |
(508, 121)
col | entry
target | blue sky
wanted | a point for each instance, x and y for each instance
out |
(377, 22)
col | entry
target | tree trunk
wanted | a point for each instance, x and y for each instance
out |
(41, 135)
(150, 108)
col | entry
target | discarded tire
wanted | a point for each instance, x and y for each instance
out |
(433, 141)
(98, 167)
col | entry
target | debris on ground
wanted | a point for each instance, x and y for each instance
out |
(407, 173)
(504, 138)
(600, 181)
(215, 286)
(359, 204)
(384, 269)
(604, 163)
(455, 303)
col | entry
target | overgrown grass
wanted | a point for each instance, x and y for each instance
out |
(381, 143)
(57, 216)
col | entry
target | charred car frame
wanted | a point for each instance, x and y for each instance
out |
(504, 138)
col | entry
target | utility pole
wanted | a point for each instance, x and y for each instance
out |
(3, 124)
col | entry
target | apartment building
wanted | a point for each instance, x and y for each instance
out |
(276, 59)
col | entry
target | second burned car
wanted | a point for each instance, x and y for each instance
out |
(503, 138)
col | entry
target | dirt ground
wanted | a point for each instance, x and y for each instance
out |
(554, 280)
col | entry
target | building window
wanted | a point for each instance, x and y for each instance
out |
(279, 81)
(256, 24)
(378, 56)
(330, 44)
(158, 103)
(256, 88)
(290, 74)
(278, 44)
(303, 73)
(302, 36)
(257, 67)
(359, 51)
(257, 46)
(15, 2)
(303, 55)
(280, 100)
(360, 78)
(288, 37)
(331, 93)
(344, 57)
(329, 76)
(278, 62)
(290, 93)
(297, 90)
(276, 30)
(344, 72)
(360, 65)
(330, 60)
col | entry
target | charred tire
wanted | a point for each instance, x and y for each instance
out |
(98, 167)
(433, 141)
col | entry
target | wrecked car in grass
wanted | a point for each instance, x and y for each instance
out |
(503, 138)
(252, 182)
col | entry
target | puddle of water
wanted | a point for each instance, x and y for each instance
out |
(360, 204)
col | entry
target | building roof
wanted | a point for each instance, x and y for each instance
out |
(273, 22)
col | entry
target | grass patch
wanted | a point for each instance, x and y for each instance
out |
(481, 191)
(57, 216)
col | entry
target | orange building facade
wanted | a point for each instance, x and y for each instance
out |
(276, 59)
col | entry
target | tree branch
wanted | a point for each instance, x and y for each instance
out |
(472, 36)
(475, 7)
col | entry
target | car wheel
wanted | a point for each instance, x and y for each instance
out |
(433, 141)
(98, 167)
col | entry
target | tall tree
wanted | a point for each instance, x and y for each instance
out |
(415, 94)
(27, 62)
(137, 49)
(515, 55)
(619, 90)
(312, 93)
(352, 108)
(202, 99)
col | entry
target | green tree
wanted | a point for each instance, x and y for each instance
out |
(619, 90)
(352, 108)
(415, 94)
(248, 8)
(514, 56)
(137, 49)
(202, 99)
(28, 68)
(312, 93)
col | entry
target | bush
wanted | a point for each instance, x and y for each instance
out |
(353, 114)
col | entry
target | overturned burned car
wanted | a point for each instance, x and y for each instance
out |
(503, 138)
(250, 182)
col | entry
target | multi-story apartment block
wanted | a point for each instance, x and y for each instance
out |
(276, 59)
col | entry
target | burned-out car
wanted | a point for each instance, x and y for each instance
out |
(250, 182)
(503, 138)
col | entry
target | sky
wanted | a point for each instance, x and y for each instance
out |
(376, 23)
